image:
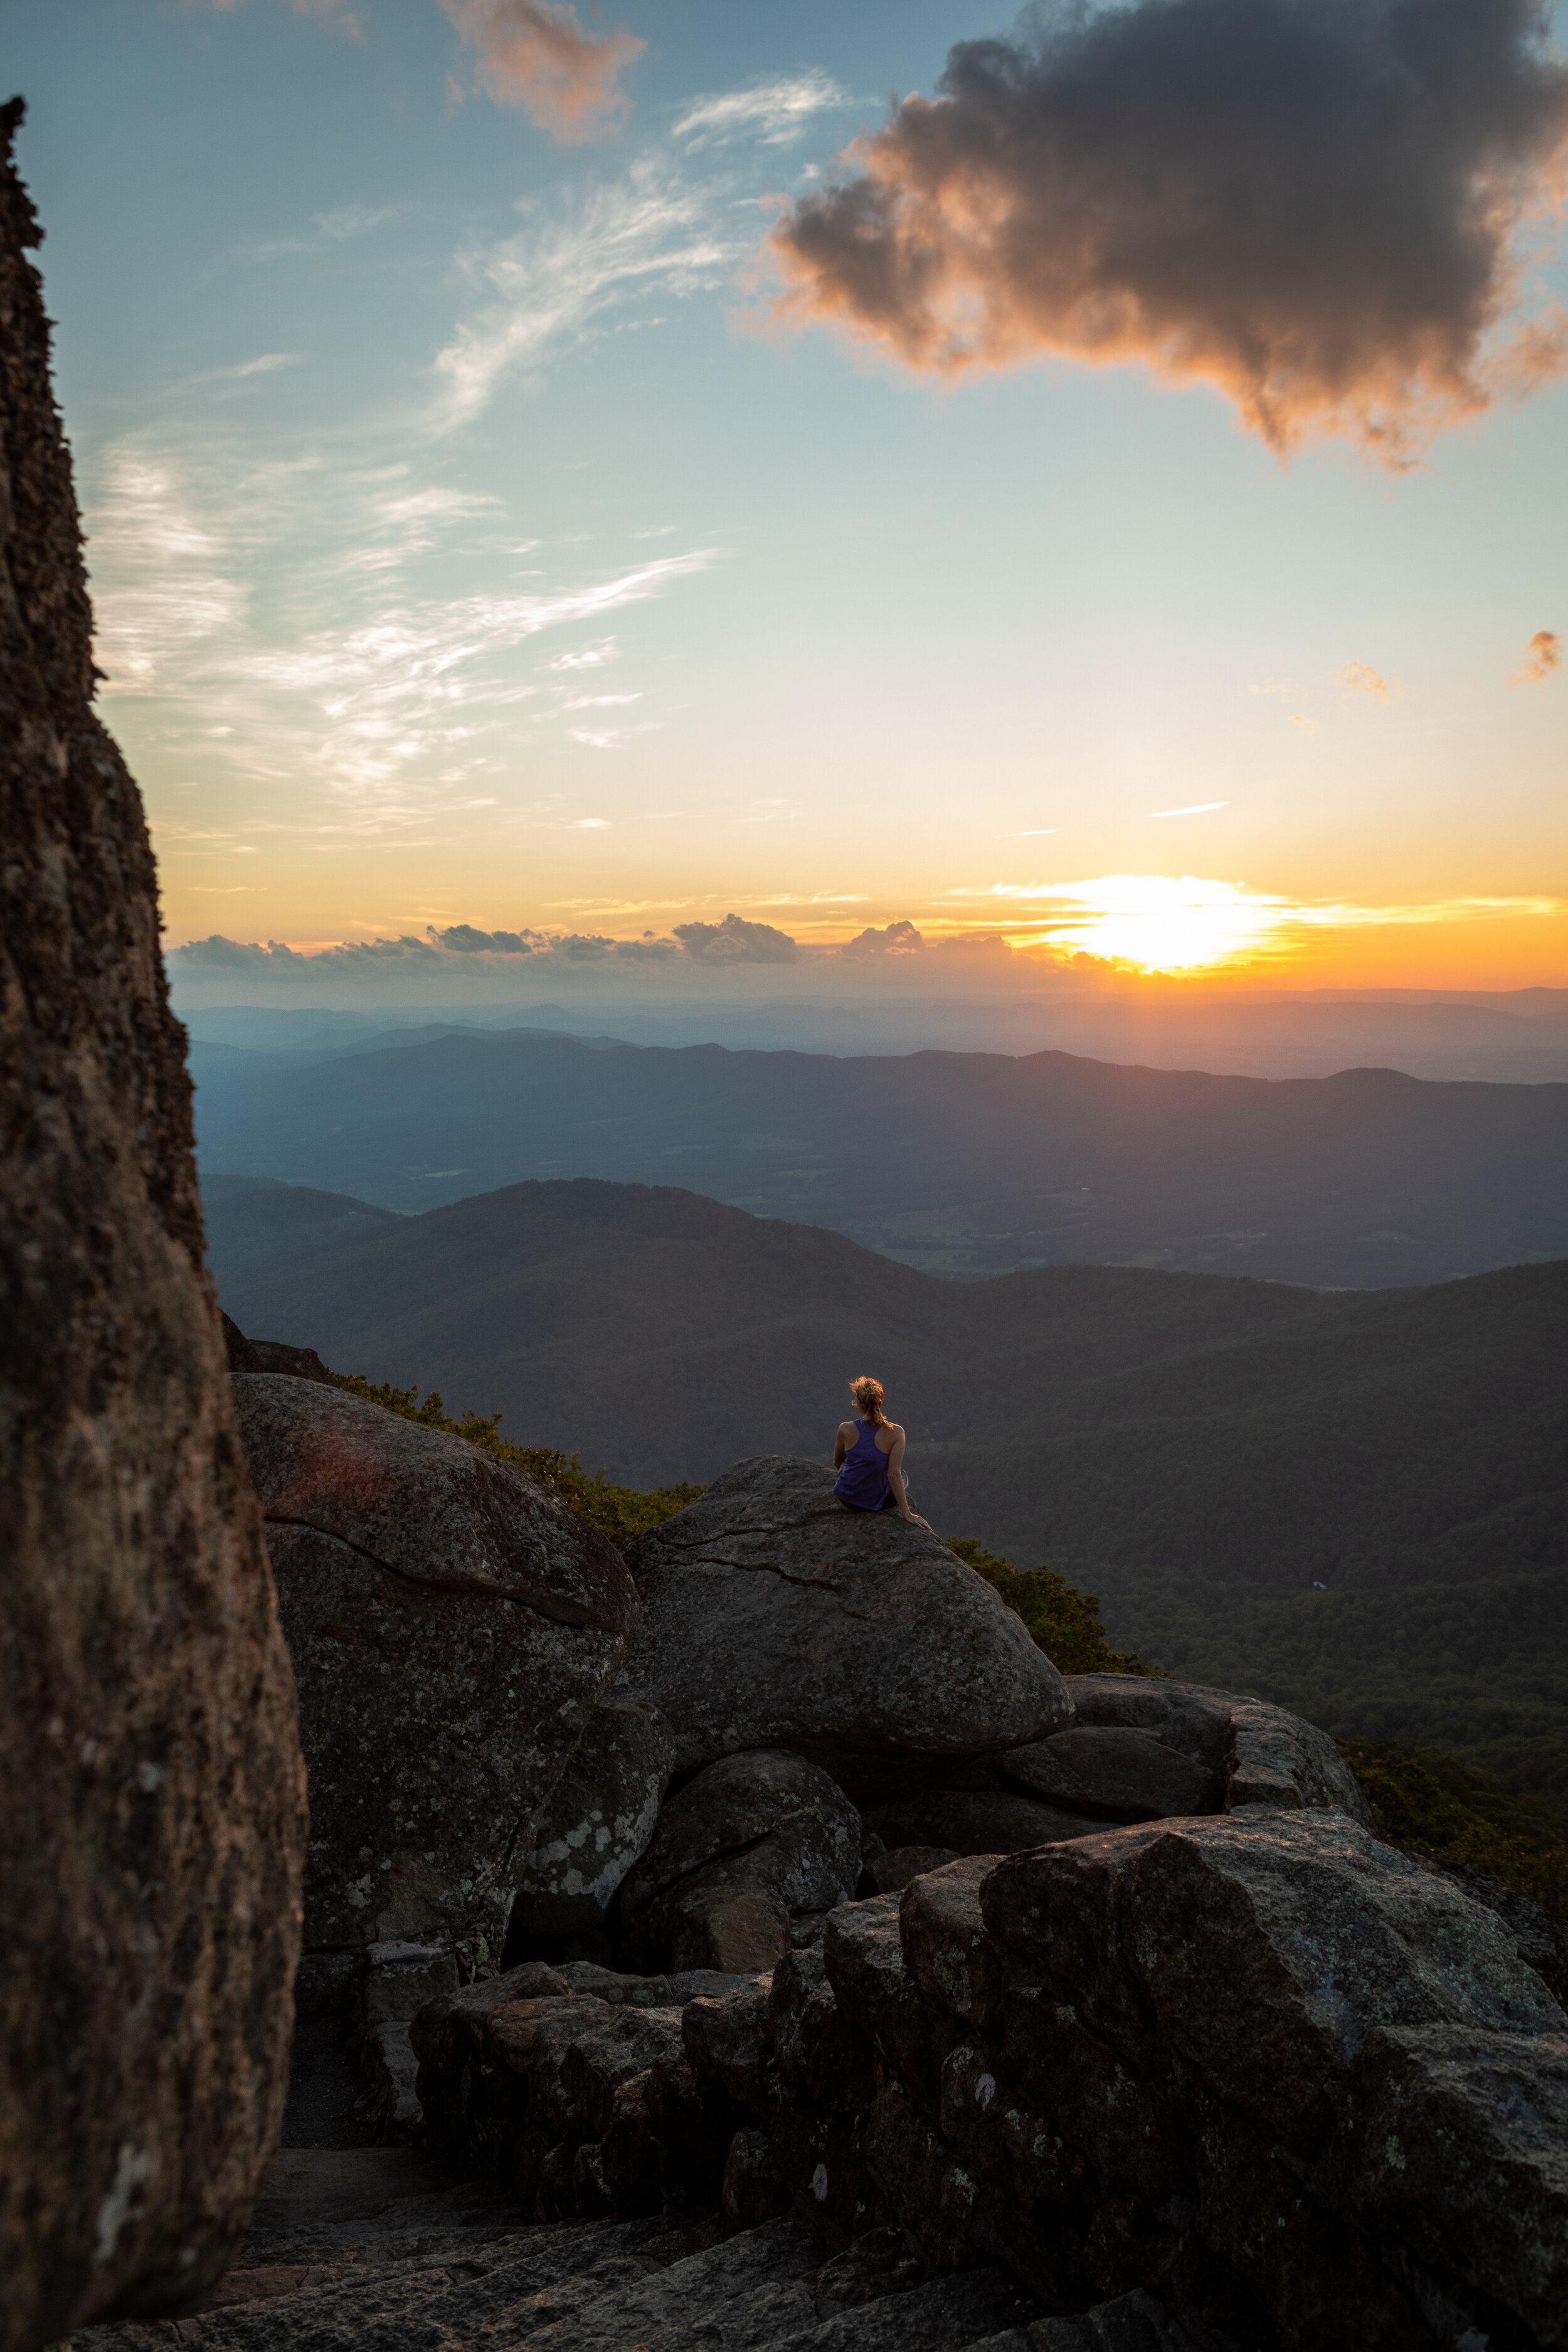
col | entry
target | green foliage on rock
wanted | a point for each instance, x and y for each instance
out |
(1064, 1621)
(1433, 1805)
(621, 1512)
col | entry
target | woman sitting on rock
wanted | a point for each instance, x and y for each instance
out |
(869, 1458)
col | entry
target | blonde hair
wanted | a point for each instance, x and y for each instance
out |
(868, 1394)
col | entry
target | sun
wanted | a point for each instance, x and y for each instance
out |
(1161, 922)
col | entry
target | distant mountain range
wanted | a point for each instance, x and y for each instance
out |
(963, 1164)
(1357, 1504)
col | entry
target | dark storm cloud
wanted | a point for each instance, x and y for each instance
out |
(1310, 203)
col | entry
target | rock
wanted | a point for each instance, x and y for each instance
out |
(1266, 1756)
(1187, 1716)
(1457, 2148)
(1124, 1775)
(947, 1946)
(730, 2042)
(241, 1354)
(1542, 1939)
(293, 1363)
(597, 1822)
(1129, 2323)
(1261, 1951)
(752, 2191)
(773, 1617)
(153, 1827)
(863, 1959)
(1278, 1760)
(981, 1823)
(889, 1873)
(452, 1625)
(750, 1842)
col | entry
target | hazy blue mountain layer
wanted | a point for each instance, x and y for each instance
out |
(1205, 1452)
(956, 1163)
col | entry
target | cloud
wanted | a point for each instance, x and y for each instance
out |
(461, 939)
(536, 54)
(649, 235)
(895, 940)
(592, 657)
(339, 227)
(356, 690)
(1542, 656)
(735, 940)
(1311, 205)
(1360, 677)
(770, 111)
(1198, 808)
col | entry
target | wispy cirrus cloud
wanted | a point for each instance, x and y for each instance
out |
(772, 112)
(539, 55)
(649, 235)
(274, 618)
(340, 226)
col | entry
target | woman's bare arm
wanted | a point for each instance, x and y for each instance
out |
(895, 1481)
(843, 1444)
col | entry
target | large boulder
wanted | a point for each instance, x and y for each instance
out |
(153, 1820)
(1125, 1775)
(1263, 1951)
(453, 1625)
(775, 1617)
(596, 1824)
(1248, 1752)
(747, 1846)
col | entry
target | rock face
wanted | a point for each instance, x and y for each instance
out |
(597, 1822)
(748, 1845)
(452, 1626)
(153, 1823)
(773, 1617)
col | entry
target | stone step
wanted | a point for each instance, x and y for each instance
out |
(436, 2273)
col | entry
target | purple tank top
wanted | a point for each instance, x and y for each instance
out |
(863, 1481)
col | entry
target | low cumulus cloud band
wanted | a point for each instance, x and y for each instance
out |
(1312, 205)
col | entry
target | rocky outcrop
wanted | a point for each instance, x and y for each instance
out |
(775, 1617)
(153, 1822)
(746, 1848)
(452, 1625)
(1248, 2080)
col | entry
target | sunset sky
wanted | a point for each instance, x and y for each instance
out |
(538, 482)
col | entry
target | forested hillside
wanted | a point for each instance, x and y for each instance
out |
(1203, 1453)
(963, 1164)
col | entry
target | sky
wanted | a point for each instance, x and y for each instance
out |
(692, 485)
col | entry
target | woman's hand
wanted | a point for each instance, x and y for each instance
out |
(913, 1520)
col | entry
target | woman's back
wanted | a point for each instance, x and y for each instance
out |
(863, 1480)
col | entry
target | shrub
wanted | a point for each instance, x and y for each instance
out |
(621, 1512)
(1431, 1804)
(1064, 1621)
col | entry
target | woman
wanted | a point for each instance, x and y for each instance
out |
(869, 1458)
